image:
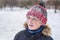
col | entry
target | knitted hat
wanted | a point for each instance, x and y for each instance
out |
(38, 12)
(42, 4)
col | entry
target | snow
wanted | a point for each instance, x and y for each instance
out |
(11, 22)
(54, 23)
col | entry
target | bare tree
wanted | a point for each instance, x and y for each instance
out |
(54, 3)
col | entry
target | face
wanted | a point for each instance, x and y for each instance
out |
(33, 23)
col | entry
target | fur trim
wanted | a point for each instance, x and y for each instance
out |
(46, 31)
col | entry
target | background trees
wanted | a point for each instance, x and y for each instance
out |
(55, 4)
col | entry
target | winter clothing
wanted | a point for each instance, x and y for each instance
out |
(42, 4)
(25, 35)
(38, 12)
(33, 32)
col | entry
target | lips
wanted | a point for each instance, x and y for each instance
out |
(30, 25)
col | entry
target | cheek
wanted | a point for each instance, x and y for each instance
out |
(28, 22)
(37, 23)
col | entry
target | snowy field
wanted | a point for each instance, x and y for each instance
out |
(11, 22)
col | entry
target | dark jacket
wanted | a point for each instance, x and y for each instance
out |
(25, 35)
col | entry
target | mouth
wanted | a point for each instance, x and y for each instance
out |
(30, 25)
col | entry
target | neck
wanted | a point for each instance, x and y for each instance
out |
(39, 30)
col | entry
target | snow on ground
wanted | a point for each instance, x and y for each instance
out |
(11, 22)
(54, 23)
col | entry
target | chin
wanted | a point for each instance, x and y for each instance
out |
(31, 28)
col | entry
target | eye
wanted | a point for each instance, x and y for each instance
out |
(35, 19)
(28, 17)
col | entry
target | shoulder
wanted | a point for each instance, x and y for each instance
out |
(19, 34)
(48, 38)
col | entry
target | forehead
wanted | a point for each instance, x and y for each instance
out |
(32, 17)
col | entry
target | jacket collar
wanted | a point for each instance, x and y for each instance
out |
(33, 32)
(46, 31)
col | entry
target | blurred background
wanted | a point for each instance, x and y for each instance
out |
(55, 4)
(13, 12)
